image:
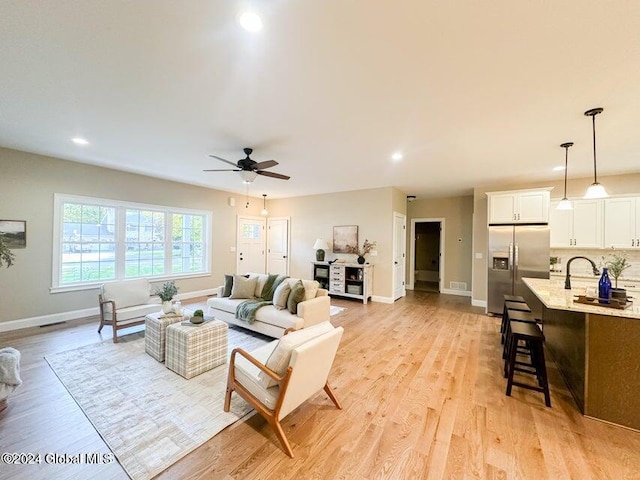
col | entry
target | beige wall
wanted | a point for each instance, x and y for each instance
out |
(314, 216)
(28, 183)
(615, 185)
(457, 212)
(27, 186)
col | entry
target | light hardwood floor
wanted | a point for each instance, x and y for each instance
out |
(423, 395)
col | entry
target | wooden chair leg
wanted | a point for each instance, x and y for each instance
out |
(332, 396)
(101, 325)
(115, 333)
(277, 428)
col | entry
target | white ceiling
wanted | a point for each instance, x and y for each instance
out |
(473, 93)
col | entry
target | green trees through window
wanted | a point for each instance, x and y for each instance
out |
(99, 242)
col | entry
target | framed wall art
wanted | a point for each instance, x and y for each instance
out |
(344, 236)
(14, 233)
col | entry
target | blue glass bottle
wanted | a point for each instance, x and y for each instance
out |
(604, 287)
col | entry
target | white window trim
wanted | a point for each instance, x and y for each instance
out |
(60, 198)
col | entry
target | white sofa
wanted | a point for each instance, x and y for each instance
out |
(125, 304)
(269, 320)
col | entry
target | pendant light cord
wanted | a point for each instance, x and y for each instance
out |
(595, 173)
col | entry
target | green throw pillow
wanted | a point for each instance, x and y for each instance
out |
(228, 285)
(295, 297)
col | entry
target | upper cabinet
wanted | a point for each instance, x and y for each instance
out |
(518, 206)
(580, 227)
(622, 222)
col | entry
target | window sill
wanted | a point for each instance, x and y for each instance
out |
(96, 285)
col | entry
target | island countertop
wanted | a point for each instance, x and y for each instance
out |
(552, 294)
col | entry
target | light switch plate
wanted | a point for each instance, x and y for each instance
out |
(478, 256)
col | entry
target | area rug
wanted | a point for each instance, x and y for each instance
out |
(336, 310)
(149, 416)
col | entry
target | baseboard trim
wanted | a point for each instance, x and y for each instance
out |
(376, 298)
(75, 314)
(479, 303)
(461, 293)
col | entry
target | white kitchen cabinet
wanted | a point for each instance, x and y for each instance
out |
(518, 206)
(581, 227)
(622, 222)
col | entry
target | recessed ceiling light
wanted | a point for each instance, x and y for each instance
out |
(80, 141)
(251, 22)
(396, 157)
(558, 168)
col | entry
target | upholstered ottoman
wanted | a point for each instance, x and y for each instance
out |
(194, 349)
(155, 333)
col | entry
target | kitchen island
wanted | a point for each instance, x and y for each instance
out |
(596, 349)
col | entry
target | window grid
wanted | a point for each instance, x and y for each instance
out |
(153, 242)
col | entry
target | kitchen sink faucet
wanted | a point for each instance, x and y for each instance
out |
(567, 280)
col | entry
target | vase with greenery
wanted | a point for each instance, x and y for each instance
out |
(166, 294)
(367, 247)
(6, 255)
(616, 264)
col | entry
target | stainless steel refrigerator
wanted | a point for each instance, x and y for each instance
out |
(515, 251)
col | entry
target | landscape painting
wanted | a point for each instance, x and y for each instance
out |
(14, 233)
(344, 236)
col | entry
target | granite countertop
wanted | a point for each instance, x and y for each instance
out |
(621, 280)
(552, 294)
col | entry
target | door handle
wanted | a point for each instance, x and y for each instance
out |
(511, 256)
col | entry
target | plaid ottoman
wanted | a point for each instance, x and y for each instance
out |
(192, 350)
(155, 333)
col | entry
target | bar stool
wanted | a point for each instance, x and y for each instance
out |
(514, 298)
(515, 316)
(532, 335)
(509, 305)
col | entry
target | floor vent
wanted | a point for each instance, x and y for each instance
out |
(458, 286)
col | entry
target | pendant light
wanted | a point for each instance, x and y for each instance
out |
(565, 203)
(264, 205)
(595, 190)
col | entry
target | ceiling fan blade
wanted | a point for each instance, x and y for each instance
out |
(223, 170)
(223, 160)
(273, 175)
(266, 164)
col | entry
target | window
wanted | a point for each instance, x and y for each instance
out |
(97, 240)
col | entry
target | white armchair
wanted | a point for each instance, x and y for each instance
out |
(125, 303)
(278, 377)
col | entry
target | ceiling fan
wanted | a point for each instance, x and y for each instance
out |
(249, 169)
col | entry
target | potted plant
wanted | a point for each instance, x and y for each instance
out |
(616, 265)
(367, 247)
(166, 294)
(6, 255)
(198, 316)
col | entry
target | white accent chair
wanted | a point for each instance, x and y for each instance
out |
(125, 303)
(278, 377)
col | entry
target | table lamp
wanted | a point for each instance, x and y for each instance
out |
(320, 246)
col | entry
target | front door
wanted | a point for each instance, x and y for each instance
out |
(250, 245)
(399, 242)
(278, 246)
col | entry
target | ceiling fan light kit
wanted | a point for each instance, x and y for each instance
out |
(565, 203)
(595, 190)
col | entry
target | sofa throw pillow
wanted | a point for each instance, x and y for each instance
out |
(228, 284)
(243, 287)
(281, 295)
(279, 359)
(310, 289)
(295, 297)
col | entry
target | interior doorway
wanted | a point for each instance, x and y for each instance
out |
(427, 254)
